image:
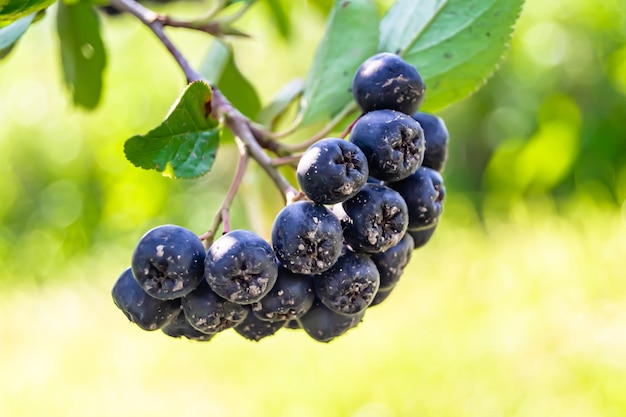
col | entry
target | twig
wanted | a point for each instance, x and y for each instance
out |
(222, 214)
(151, 19)
(287, 160)
(240, 126)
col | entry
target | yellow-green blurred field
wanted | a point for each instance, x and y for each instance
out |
(522, 319)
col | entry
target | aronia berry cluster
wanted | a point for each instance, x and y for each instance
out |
(370, 202)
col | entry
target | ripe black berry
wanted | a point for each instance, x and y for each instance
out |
(386, 81)
(145, 311)
(291, 297)
(241, 267)
(209, 313)
(252, 328)
(391, 263)
(350, 285)
(424, 193)
(168, 262)
(180, 327)
(436, 136)
(381, 296)
(375, 219)
(392, 142)
(421, 236)
(331, 171)
(307, 238)
(323, 324)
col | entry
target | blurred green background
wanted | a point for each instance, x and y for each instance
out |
(517, 307)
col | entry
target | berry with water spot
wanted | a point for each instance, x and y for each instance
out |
(140, 308)
(331, 171)
(290, 298)
(307, 238)
(386, 81)
(350, 285)
(209, 313)
(392, 142)
(375, 219)
(241, 267)
(424, 193)
(168, 262)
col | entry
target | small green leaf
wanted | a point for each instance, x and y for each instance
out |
(455, 44)
(281, 102)
(10, 34)
(185, 144)
(351, 36)
(11, 10)
(82, 51)
(220, 68)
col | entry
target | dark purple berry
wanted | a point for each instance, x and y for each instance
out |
(180, 327)
(421, 236)
(291, 297)
(168, 262)
(391, 263)
(331, 171)
(386, 81)
(307, 238)
(375, 219)
(392, 142)
(145, 311)
(254, 329)
(241, 267)
(323, 324)
(436, 136)
(350, 285)
(209, 313)
(381, 296)
(424, 193)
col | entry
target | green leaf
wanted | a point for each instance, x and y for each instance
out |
(11, 10)
(10, 34)
(220, 68)
(283, 24)
(455, 44)
(281, 102)
(185, 144)
(351, 36)
(82, 51)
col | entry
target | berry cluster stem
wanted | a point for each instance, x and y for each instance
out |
(222, 216)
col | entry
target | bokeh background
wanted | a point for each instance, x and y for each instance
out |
(517, 306)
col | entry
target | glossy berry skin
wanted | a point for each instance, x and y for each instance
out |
(391, 263)
(209, 313)
(180, 327)
(392, 142)
(145, 311)
(324, 325)
(381, 296)
(375, 219)
(424, 193)
(291, 297)
(437, 137)
(241, 267)
(254, 329)
(386, 81)
(350, 285)
(307, 238)
(421, 236)
(168, 262)
(331, 171)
